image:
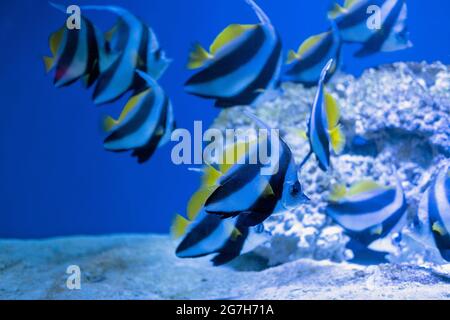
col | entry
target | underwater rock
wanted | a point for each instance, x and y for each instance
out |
(145, 267)
(395, 114)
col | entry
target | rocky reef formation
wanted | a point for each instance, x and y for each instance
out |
(395, 115)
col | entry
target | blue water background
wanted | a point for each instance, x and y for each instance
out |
(55, 177)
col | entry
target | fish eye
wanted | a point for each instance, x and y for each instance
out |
(295, 189)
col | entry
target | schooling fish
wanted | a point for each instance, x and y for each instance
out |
(352, 22)
(305, 65)
(131, 45)
(438, 208)
(242, 64)
(206, 234)
(371, 214)
(252, 196)
(145, 123)
(324, 131)
(75, 53)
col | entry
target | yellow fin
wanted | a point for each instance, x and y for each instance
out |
(338, 192)
(110, 33)
(292, 56)
(378, 230)
(198, 200)
(337, 139)
(437, 227)
(198, 57)
(309, 43)
(336, 11)
(179, 226)
(332, 110)
(211, 175)
(49, 62)
(108, 123)
(350, 3)
(363, 186)
(229, 34)
(233, 153)
(55, 40)
(131, 104)
(268, 191)
(235, 234)
(302, 134)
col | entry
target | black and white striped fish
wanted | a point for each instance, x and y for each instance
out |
(437, 205)
(131, 45)
(392, 34)
(204, 234)
(75, 53)
(252, 196)
(145, 123)
(324, 131)
(370, 214)
(305, 65)
(242, 65)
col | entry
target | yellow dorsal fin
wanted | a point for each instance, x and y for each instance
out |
(309, 43)
(338, 192)
(179, 226)
(292, 56)
(302, 134)
(337, 139)
(110, 33)
(233, 153)
(49, 62)
(350, 3)
(363, 186)
(437, 227)
(336, 11)
(198, 57)
(228, 35)
(332, 110)
(109, 122)
(198, 200)
(268, 191)
(211, 175)
(235, 234)
(377, 230)
(55, 40)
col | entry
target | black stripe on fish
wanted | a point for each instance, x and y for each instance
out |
(231, 61)
(376, 41)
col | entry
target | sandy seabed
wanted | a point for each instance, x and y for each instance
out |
(145, 267)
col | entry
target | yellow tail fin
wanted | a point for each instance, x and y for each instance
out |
(179, 226)
(337, 138)
(49, 62)
(198, 57)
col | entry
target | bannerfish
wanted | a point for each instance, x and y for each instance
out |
(438, 208)
(204, 234)
(370, 214)
(226, 238)
(243, 63)
(145, 123)
(75, 53)
(252, 196)
(392, 34)
(324, 131)
(130, 45)
(305, 65)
